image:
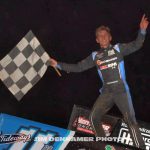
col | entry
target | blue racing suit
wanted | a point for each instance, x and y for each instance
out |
(110, 67)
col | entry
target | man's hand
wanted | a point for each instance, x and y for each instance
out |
(53, 62)
(144, 23)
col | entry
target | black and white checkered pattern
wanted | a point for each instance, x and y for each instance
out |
(24, 66)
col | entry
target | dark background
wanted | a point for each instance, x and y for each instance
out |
(66, 29)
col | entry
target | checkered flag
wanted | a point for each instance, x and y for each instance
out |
(24, 66)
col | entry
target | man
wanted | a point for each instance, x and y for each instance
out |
(109, 62)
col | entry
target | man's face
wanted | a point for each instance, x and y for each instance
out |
(103, 38)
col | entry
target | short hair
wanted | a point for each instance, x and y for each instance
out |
(100, 28)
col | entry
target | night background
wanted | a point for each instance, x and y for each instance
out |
(66, 30)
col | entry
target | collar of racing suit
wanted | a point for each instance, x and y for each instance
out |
(106, 49)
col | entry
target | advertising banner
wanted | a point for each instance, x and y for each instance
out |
(124, 137)
(22, 134)
(79, 121)
(116, 130)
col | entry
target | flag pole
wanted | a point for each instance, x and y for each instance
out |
(58, 72)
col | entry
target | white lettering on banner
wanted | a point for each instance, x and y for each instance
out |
(85, 126)
(41, 140)
(12, 138)
(84, 121)
(124, 124)
(106, 127)
(21, 145)
(125, 137)
(145, 130)
(39, 145)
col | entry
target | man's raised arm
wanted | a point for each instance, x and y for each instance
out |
(135, 45)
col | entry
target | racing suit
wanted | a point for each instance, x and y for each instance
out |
(110, 67)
